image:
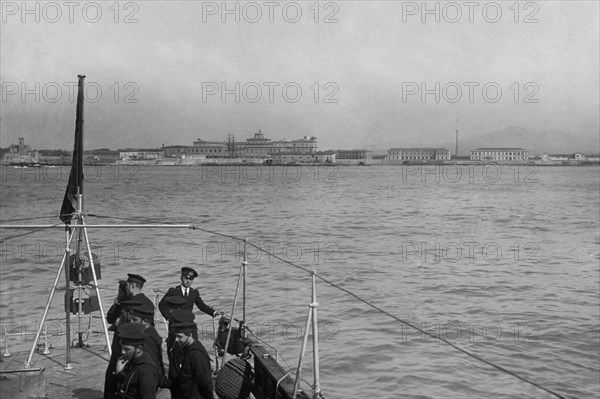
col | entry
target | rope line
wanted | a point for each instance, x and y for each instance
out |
(466, 352)
(218, 234)
(29, 232)
(145, 220)
(31, 218)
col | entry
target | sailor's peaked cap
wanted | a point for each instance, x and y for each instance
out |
(188, 272)
(131, 334)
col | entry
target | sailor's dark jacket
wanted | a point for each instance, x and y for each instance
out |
(153, 347)
(192, 299)
(139, 379)
(144, 300)
(192, 375)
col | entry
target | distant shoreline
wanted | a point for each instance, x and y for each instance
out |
(345, 164)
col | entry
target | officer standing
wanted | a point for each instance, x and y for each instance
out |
(185, 290)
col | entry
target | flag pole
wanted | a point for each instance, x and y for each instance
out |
(72, 209)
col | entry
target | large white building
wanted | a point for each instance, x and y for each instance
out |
(256, 147)
(417, 154)
(499, 154)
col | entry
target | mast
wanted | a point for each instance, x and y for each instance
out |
(78, 258)
(73, 202)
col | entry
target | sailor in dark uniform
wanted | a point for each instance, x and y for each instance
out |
(174, 351)
(136, 372)
(191, 375)
(174, 307)
(135, 282)
(191, 295)
(114, 313)
(153, 342)
(110, 381)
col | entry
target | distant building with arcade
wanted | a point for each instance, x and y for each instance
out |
(353, 157)
(401, 155)
(500, 154)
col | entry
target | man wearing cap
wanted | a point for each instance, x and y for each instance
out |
(174, 351)
(110, 381)
(192, 375)
(113, 314)
(135, 282)
(153, 342)
(191, 295)
(136, 372)
(173, 306)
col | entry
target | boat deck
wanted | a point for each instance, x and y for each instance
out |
(47, 377)
(85, 380)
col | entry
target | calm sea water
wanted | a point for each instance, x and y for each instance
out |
(501, 261)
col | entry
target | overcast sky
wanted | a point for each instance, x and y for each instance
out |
(351, 73)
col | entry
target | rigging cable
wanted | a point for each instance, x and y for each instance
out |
(31, 218)
(29, 232)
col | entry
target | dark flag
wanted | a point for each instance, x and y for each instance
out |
(69, 204)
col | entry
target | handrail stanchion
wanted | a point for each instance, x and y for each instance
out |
(237, 290)
(244, 267)
(6, 352)
(315, 331)
(304, 343)
(311, 321)
(46, 348)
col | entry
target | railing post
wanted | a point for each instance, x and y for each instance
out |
(304, 343)
(311, 322)
(244, 266)
(6, 352)
(315, 330)
(46, 349)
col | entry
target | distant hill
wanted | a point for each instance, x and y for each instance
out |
(553, 142)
